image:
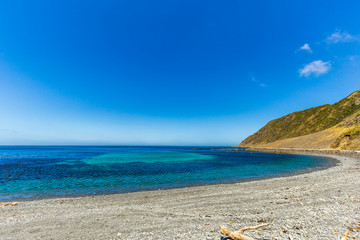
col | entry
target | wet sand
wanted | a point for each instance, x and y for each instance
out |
(317, 205)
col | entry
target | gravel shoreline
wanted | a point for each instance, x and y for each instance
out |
(317, 205)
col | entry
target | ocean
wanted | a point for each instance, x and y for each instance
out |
(32, 172)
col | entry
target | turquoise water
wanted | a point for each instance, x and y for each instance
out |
(39, 172)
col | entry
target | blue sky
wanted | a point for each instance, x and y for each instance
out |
(169, 72)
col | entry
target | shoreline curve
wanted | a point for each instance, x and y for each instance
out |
(317, 205)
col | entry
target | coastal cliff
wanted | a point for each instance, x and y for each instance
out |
(330, 126)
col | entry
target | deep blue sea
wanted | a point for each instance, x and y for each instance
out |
(28, 172)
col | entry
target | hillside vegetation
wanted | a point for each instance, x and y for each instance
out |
(334, 126)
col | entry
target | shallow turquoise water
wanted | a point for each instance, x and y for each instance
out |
(38, 172)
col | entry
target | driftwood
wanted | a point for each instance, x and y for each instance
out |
(345, 236)
(11, 204)
(238, 235)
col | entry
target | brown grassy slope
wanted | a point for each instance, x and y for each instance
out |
(320, 140)
(350, 137)
(345, 136)
(306, 122)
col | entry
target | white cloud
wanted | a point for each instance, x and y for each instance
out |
(306, 47)
(339, 36)
(317, 68)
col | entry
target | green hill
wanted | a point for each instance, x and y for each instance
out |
(309, 122)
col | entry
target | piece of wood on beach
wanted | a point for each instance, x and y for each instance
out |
(239, 235)
(11, 204)
(345, 236)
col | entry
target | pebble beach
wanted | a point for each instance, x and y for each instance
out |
(323, 204)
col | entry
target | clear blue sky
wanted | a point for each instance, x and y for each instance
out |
(169, 72)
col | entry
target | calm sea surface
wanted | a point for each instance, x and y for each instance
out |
(39, 172)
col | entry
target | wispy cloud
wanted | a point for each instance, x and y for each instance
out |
(306, 47)
(339, 36)
(262, 85)
(316, 68)
(253, 79)
(353, 57)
